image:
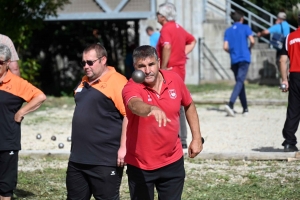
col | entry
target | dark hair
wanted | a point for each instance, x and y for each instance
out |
(299, 19)
(149, 28)
(100, 50)
(237, 15)
(143, 52)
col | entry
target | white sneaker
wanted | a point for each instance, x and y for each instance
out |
(229, 111)
(245, 112)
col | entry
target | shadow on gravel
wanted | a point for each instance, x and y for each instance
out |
(268, 149)
(215, 109)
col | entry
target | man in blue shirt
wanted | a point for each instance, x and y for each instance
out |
(236, 44)
(154, 36)
(276, 28)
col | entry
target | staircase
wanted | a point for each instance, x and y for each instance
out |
(215, 62)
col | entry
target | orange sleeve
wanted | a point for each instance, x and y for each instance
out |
(27, 91)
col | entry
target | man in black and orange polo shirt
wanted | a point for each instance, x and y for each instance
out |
(14, 91)
(291, 50)
(98, 130)
(154, 152)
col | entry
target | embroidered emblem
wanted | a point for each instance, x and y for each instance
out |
(172, 94)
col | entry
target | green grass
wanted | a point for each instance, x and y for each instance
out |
(204, 180)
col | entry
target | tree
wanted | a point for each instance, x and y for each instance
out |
(18, 19)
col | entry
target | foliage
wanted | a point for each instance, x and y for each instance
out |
(287, 6)
(18, 19)
(29, 70)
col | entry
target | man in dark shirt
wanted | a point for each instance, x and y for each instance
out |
(98, 130)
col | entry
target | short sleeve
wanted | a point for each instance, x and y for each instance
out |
(27, 91)
(275, 29)
(248, 31)
(131, 90)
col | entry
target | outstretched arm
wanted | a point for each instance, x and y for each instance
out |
(140, 108)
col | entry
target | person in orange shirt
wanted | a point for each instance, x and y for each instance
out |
(98, 130)
(14, 91)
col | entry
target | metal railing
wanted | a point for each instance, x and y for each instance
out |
(223, 8)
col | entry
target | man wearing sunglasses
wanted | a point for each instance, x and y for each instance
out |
(13, 65)
(173, 45)
(98, 130)
(14, 91)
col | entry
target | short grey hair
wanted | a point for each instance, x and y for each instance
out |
(5, 52)
(167, 10)
(143, 52)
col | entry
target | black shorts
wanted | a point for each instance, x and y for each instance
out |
(83, 181)
(8, 172)
(168, 181)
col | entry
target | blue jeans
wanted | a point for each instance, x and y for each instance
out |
(240, 70)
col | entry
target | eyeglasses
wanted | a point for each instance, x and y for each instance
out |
(3, 62)
(89, 62)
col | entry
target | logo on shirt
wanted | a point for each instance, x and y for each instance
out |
(149, 98)
(113, 173)
(11, 153)
(172, 94)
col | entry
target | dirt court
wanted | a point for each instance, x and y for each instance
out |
(259, 131)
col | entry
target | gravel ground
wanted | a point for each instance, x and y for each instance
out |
(259, 131)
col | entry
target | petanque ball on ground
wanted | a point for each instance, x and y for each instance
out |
(61, 145)
(38, 136)
(69, 139)
(138, 76)
(53, 138)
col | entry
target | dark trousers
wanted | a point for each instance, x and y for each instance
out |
(293, 110)
(240, 71)
(168, 180)
(83, 181)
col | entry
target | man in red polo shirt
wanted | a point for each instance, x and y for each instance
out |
(173, 46)
(154, 154)
(291, 80)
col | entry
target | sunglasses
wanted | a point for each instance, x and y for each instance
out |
(89, 62)
(3, 62)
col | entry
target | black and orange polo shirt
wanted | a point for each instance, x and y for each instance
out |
(14, 91)
(97, 120)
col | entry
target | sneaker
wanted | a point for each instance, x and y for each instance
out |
(229, 111)
(245, 112)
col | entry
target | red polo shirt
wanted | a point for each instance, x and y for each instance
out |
(292, 48)
(151, 147)
(173, 34)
